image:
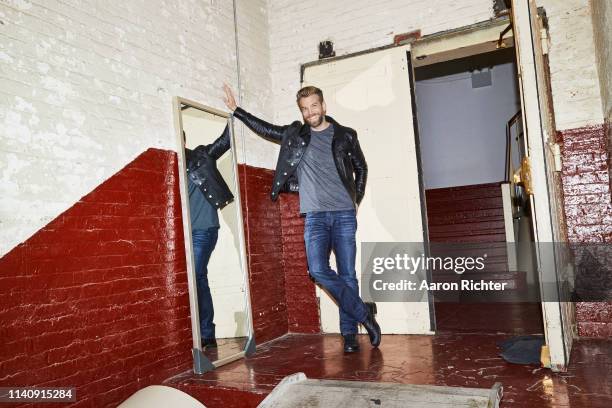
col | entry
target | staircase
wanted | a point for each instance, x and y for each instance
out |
(463, 214)
(469, 221)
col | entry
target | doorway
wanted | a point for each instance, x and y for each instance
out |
(468, 111)
(374, 91)
(370, 92)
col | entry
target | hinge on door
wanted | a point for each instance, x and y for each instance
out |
(544, 40)
(543, 25)
(555, 149)
(522, 176)
(545, 356)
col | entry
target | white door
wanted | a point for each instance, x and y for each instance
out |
(371, 94)
(553, 266)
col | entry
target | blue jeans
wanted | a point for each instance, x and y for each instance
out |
(325, 231)
(204, 241)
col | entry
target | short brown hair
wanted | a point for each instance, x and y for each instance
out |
(307, 91)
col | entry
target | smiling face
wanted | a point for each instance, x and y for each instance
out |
(313, 110)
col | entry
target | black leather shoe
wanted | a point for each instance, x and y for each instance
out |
(371, 325)
(209, 343)
(350, 343)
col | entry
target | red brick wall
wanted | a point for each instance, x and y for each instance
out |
(302, 306)
(588, 209)
(263, 237)
(594, 319)
(283, 295)
(586, 184)
(97, 299)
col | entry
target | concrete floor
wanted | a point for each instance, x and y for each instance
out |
(465, 360)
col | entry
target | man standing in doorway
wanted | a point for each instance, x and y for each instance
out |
(323, 161)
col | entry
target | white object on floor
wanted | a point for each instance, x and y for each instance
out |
(298, 391)
(160, 396)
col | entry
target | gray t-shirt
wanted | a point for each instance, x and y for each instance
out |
(203, 215)
(320, 186)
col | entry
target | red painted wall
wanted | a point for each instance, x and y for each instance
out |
(263, 237)
(588, 209)
(283, 295)
(586, 184)
(97, 299)
(302, 305)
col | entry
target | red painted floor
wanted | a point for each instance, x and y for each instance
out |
(469, 360)
(226, 348)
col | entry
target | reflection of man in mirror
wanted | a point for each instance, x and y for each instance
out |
(208, 192)
(323, 161)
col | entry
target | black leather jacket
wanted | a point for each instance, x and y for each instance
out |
(202, 170)
(294, 140)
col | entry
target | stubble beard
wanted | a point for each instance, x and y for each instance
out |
(317, 123)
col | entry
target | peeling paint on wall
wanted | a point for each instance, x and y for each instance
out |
(297, 28)
(88, 87)
(574, 77)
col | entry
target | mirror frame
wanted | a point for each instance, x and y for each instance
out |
(201, 363)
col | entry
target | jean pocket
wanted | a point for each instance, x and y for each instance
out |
(317, 215)
(346, 214)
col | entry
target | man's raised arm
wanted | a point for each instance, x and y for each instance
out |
(221, 145)
(261, 127)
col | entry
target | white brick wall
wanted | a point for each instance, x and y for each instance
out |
(573, 68)
(602, 21)
(255, 78)
(296, 28)
(88, 85)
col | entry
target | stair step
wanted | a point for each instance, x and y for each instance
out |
(466, 214)
(515, 280)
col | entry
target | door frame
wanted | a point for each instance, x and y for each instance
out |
(483, 37)
(417, 143)
(415, 127)
(437, 46)
(558, 328)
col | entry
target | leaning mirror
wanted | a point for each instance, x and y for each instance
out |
(214, 236)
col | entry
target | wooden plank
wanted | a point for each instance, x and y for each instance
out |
(358, 394)
(455, 217)
(464, 205)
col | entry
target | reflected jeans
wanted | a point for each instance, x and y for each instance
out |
(325, 231)
(204, 241)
